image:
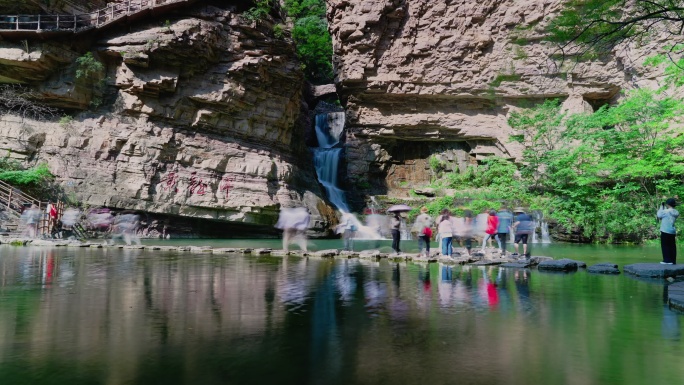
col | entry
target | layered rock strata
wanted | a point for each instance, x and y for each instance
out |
(422, 78)
(201, 117)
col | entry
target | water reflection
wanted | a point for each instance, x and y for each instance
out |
(130, 317)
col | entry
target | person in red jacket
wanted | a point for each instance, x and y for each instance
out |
(492, 225)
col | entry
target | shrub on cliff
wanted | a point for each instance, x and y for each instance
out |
(313, 40)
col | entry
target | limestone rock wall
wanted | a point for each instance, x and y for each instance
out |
(420, 77)
(200, 117)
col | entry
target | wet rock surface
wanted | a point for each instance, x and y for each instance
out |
(655, 270)
(675, 295)
(604, 268)
(560, 265)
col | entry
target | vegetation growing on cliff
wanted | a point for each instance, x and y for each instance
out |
(314, 43)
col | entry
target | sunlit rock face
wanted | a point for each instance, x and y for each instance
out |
(201, 116)
(425, 77)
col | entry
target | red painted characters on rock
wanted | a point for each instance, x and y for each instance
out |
(197, 185)
(170, 181)
(225, 185)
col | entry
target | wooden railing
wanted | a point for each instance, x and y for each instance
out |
(16, 201)
(82, 22)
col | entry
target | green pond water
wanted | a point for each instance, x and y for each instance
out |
(114, 316)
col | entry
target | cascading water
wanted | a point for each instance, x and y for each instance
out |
(329, 127)
(543, 226)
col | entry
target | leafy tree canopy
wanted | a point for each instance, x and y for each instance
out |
(599, 25)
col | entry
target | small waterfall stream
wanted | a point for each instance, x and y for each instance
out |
(329, 128)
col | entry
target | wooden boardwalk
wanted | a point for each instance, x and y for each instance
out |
(26, 26)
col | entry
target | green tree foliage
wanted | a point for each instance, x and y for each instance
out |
(87, 66)
(313, 40)
(605, 172)
(599, 25)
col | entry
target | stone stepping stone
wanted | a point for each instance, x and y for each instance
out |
(262, 251)
(486, 263)
(201, 249)
(539, 259)
(96, 246)
(604, 268)
(655, 270)
(675, 296)
(517, 265)
(559, 265)
(133, 247)
(227, 250)
(370, 254)
(348, 254)
(326, 253)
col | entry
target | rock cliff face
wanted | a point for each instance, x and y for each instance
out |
(422, 78)
(201, 116)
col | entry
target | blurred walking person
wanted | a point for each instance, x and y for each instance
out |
(422, 227)
(445, 229)
(492, 226)
(523, 225)
(294, 222)
(502, 231)
(347, 228)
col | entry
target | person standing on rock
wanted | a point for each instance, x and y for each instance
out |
(490, 231)
(395, 226)
(523, 226)
(422, 227)
(468, 231)
(667, 216)
(502, 231)
(445, 230)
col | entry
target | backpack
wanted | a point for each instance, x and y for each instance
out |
(427, 232)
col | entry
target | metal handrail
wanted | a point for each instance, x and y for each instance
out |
(15, 200)
(80, 22)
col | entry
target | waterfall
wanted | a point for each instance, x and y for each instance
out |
(543, 226)
(329, 128)
(545, 238)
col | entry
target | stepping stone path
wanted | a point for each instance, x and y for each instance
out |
(604, 268)
(655, 270)
(675, 296)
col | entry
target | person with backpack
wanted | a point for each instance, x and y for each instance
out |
(446, 232)
(422, 227)
(523, 226)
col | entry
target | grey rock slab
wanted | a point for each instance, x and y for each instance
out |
(226, 250)
(655, 270)
(604, 268)
(675, 295)
(517, 265)
(262, 251)
(486, 263)
(326, 253)
(201, 249)
(559, 265)
(539, 259)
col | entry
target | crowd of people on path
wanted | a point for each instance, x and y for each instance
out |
(451, 229)
(447, 228)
